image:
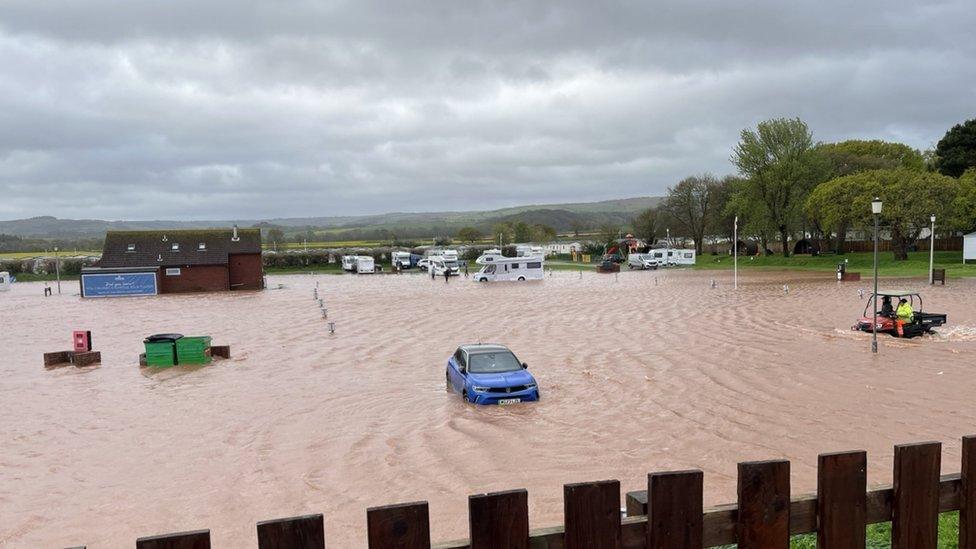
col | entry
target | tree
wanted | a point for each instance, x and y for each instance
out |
(543, 233)
(523, 232)
(689, 204)
(443, 241)
(503, 233)
(576, 226)
(964, 207)
(609, 234)
(274, 237)
(909, 197)
(469, 234)
(780, 167)
(647, 225)
(854, 155)
(721, 218)
(956, 151)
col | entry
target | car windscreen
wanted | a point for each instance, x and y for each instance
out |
(493, 363)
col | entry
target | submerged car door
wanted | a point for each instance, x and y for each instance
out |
(454, 370)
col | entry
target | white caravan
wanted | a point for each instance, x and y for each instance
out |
(670, 257)
(488, 257)
(642, 261)
(365, 264)
(401, 259)
(526, 250)
(4, 281)
(512, 268)
(440, 265)
(349, 263)
(449, 255)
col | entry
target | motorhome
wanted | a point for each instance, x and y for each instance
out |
(365, 264)
(440, 265)
(642, 261)
(489, 256)
(401, 260)
(512, 268)
(349, 263)
(449, 255)
(527, 250)
(672, 257)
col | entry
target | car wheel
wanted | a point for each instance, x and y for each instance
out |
(521, 279)
(447, 384)
(464, 397)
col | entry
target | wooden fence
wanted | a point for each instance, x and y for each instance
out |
(669, 514)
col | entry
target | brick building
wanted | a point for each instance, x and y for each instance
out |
(172, 261)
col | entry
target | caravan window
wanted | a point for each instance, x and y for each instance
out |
(535, 265)
(688, 255)
(490, 269)
(515, 266)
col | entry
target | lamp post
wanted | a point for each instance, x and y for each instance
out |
(735, 254)
(57, 268)
(876, 210)
(932, 252)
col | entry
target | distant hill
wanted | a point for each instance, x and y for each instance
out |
(563, 217)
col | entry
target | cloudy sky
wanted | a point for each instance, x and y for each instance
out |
(202, 109)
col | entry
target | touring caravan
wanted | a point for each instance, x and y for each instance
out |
(400, 259)
(365, 264)
(349, 263)
(489, 256)
(5, 281)
(527, 250)
(512, 268)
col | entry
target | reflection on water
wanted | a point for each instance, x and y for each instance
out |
(635, 377)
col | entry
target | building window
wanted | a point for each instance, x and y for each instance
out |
(130, 248)
(176, 246)
(202, 246)
(172, 271)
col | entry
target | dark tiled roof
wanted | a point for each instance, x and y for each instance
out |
(155, 248)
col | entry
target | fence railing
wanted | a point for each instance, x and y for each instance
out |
(669, 514)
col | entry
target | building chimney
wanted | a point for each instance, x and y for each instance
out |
(235, 238)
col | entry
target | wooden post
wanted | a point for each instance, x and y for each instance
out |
(500, 519)
(305, 532)
(198, 539)
(764, 504)
(674, 510)
(403, 526)
(842, 500)
(967, 496)
(592, 515)
(915, 503)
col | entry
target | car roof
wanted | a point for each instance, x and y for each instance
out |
(483, 348)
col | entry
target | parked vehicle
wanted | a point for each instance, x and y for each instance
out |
(671, 257)
(642, 261)
(401, 260)
(608, 266)
(512, 268)
(439, 266)
(349, 263)
(490, 374)
(489, 256)
(526, 250)
(887, 322)
(365, 264)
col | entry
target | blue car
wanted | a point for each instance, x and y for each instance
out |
(490, 374)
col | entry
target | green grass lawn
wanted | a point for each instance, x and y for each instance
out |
(917, 264)
(879, 535)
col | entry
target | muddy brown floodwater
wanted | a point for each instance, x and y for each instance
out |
(636, 376)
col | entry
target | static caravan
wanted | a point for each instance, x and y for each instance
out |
(527, 250)
(365, 264)
(969, 247)
(349, 263)
(512, 268)
(489, 256)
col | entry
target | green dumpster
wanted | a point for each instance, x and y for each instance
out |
(193, 350)
(161, 349)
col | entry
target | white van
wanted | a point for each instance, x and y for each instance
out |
(440, 265)
(488, 257)
(400, 259)
(365, 264)
(512, 268)
(642, 261)
(349, 263)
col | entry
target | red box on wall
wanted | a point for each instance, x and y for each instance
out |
(82, 340)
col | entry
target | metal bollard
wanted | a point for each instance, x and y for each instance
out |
(332, 328)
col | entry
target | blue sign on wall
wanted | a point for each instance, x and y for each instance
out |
(118, 284)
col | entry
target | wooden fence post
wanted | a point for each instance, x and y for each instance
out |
(306, 532)
(915, 498)
(592, 515)
(842, 500)
(499, 519)
(967, 497)
(764, 504)
(403, 526)
(674, 510)
(198, 539)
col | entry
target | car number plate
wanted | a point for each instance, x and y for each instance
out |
(506, 401)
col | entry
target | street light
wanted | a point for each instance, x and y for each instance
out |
(876, 210)
(735, 254)
(57, 268)
(932, 252)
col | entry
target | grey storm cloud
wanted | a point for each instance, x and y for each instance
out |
(217, 109)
